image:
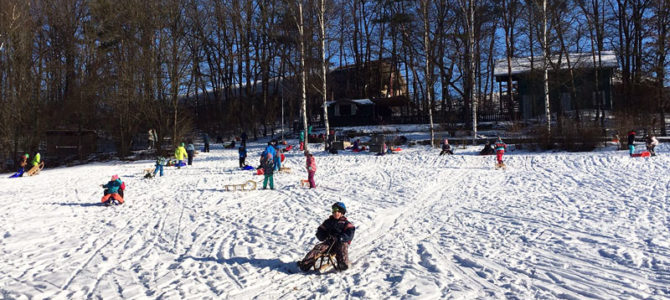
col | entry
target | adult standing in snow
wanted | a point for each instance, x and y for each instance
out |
(631, 142)
(311, 168)
(335, 234)
(179, 155)
(151, 139)
(500, 147)
(190, 151)
(205, 138)
(652, 142)
(267, 163)
(243, 156)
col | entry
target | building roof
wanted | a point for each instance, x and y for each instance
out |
(521, 65)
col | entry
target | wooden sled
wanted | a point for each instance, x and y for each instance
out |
(501, 166)
(36, 169)
(324, 261)
(247, 186)
(285, 170)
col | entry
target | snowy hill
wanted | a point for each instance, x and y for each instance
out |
(553, 225)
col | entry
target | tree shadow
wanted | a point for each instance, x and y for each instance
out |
(261, 263)
(87, 204)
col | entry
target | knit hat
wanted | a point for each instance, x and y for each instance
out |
(182, 144)
(115, 177)
(340, 207)
(26, 155)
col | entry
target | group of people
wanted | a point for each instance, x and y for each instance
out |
(650, 141)
(23, 163)
(498, 148)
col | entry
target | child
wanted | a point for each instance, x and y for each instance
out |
(311, 169)
(113, 190)
(652, 142)
(335, 234)
(268, 165)
(22, 166)
(631, 142)
(302, 140)
(243, 156)
(190, 151)
(500, 150)
(179, 155)
(160, 162)
(446, 148)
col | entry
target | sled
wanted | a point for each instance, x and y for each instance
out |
(285, 170)
(304, 182)
(35, 169)
(247, 186)
(641, 154)
(501, 166)
(324, 261)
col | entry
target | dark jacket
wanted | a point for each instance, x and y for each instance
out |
(268, 164)
(340, 229)
(243, 152)
(631, 138)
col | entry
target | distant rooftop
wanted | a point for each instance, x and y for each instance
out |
(521, 65)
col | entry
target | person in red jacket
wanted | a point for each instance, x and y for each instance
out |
(335, 234)
(311, 168)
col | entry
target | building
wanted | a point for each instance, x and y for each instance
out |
(527, 86)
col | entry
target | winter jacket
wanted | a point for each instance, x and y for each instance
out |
(180, 153)
(271, 150)
(340, 229)
(190, 147)
(302, 136)
(205, 138)
(446, 147)
(631, 138)
(161, 161)
(652, 141)
(268, 164)
(114, 186)
(500, 145)
(243, 152)
(36, 160)
(311, 163)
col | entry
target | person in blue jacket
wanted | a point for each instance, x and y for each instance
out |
(243, 156)
(335, 234)
(273, 151)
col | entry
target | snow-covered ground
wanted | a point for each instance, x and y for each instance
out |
(553, 225)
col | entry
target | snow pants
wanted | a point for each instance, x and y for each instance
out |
(631, 149)
(310, 176)
(190, 156)
(270, 179)
(341, 251)
(499, 155)
(158, 168)
(242, 162)
(115, 196)
(302, 146)
(206, 147)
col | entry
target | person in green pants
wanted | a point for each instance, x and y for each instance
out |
(268, 165)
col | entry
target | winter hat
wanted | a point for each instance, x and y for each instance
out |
(115, 177)
(182, 144)
(340, 207)
(26, 155)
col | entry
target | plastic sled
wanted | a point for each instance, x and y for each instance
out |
(642, 154)
(260, 171)
(248, 168)
(282, 157)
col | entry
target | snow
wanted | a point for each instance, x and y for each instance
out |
(553, 225)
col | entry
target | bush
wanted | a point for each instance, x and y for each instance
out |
(574, 136)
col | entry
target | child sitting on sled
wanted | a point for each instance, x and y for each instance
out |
(113, 190)
(335, 235)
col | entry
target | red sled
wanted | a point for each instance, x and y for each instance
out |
(289, 148)
(281, 156)
(260, 171)
(642, 154)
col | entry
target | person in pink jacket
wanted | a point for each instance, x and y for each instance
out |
(311, 168)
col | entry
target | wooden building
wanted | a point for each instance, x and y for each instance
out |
(527, 86)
